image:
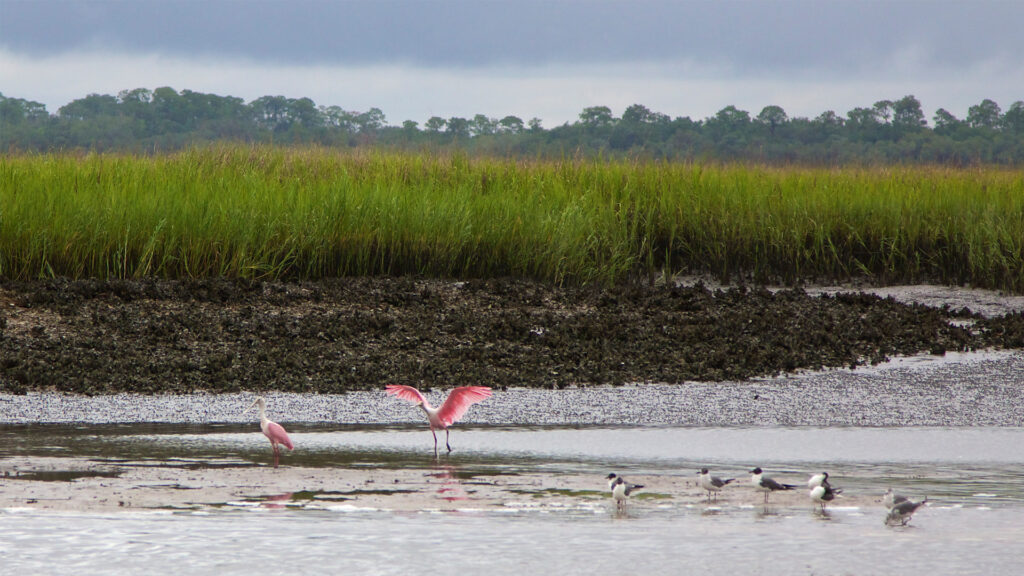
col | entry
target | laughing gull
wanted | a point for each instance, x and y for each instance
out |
(823, 494)
(712, 483)
(767, 485)
(820, 479)
(890, 499)
(621, 489)
(902, 511)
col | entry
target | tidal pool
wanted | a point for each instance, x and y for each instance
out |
(508, 500)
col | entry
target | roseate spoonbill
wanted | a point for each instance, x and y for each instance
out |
(824, 493)
(890, 498)
(902, 511)
(820, 479)
(767, 485)
(272, 430)
(712, 483)
(621, 489)
(454, 407)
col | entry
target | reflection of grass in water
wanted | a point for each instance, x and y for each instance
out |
(544, 492)
(172, 486)
(309, 495)
(472, 474)
(319, 495)
(183, 463)
(63, 475)
(651, 496)
(185, 508)
(378, 492)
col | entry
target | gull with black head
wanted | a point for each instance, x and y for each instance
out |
(765, 484)
(824, 493)
(712, 483)
(819, 479)
(621, 489)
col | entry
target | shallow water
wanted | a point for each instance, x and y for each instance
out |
(661, 542)
(973, 476)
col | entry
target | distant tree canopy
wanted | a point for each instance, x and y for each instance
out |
(888, 131)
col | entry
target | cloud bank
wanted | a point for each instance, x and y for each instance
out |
(418, 59)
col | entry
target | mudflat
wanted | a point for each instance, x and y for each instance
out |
(335, 336)
(149, 485)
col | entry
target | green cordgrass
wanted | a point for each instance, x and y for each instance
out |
(274, 213)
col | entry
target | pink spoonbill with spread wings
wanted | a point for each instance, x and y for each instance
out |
(272, 430)
(458, 402)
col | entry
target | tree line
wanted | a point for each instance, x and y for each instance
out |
(160, 120)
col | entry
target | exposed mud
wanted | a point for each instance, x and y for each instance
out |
(166, 486)
(149, 336)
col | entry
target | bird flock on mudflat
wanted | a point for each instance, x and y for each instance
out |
(820, 490)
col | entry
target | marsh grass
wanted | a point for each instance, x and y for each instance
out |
(272, 213)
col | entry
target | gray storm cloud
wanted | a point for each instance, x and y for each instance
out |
(746, 36)
(548, 59)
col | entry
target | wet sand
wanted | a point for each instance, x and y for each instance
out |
(151, 485)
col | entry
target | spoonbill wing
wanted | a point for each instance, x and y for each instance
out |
(405, 393)
(459, 401)
(277, 434)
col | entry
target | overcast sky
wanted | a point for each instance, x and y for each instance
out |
(547, 59)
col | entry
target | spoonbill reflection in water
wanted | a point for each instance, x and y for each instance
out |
(454, 407)
(272, 430)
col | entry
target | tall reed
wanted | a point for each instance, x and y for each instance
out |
(258, 212)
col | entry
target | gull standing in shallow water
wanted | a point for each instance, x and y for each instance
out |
(767, 485)
(890, 499)
(454, 407)
(712, 483)
(824, 493)
(272, 430)
(903, 511)
(621, 489)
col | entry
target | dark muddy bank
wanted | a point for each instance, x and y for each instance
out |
(168, 336)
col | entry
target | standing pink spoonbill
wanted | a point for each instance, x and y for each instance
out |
(458, 402)
(272, 430)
